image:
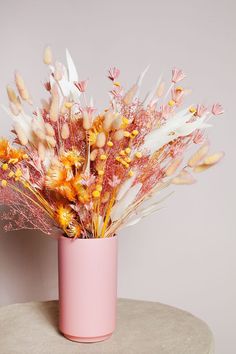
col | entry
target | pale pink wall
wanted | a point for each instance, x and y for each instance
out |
(185, 255)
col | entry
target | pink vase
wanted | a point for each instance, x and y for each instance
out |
(87, 288)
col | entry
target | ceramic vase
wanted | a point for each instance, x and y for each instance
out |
(87, 270)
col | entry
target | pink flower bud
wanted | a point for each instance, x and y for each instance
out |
(177, 75)
(81, 85)
(217, 109)
(200, 110)
(113, 73)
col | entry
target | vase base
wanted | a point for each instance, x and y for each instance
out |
(87, 339)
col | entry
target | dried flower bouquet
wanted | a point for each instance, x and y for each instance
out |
(92, 173)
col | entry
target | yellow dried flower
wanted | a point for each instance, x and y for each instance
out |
(171, 103)
(64, 215)
(18, 173)
(71, 158)
(138, 154)
(4, 147)
(4, 183)
(192, 110)
(56, 176)
(131, 173)
(124, 163)
(100, 172)
(179, 88)
(4, 166)
(127, 150)
(74, 229)
(99, 187)
(96, 194)
(68, 104)
(11, 174)
(110, 143)
(103, 157)
(127, 134)
(67, 191)
(135, 132)
(16, 154)
(125, 120)
(14, 160)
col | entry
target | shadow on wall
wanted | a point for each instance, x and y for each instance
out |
(28, 267)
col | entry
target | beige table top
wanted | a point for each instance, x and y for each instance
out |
(142, 328)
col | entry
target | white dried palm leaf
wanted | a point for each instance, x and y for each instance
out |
(135, 221)
(72, 76)
(72, 72)
(143, 212)
(121, 206)
(140, 81)
(125, 187)
(178, 125)
(152, 94)
(69, 76)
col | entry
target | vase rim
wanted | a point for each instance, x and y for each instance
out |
(61, 237)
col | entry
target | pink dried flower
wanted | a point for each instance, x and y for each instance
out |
(81, 85)
(117, 91)
(114, 182)
(165, 111)
(198, 137)
(47, 86)
(177, 149)
(217, 109)
(88, 180)
(201, 109)
(177, 75)
(88, 110)
(113, 73)
(177, 96)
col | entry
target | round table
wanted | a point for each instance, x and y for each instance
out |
(142, 328)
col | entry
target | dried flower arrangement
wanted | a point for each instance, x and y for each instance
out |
(91, 174)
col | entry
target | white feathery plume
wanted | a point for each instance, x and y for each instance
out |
(23, 121)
